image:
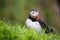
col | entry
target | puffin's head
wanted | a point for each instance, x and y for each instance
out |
(35, 14)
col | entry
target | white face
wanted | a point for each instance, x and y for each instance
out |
(35, 15)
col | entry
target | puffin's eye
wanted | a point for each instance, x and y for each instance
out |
(33, 12)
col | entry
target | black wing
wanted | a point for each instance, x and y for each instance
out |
(44, 25)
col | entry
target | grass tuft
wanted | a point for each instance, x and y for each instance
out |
(17, 32)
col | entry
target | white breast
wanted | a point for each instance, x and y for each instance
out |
(33, 25)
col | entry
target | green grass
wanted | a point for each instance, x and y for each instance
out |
(17, 32)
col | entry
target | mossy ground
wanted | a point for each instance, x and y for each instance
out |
(16, 32)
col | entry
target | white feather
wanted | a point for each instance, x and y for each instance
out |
(33, 25)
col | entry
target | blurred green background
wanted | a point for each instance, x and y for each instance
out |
(17, 11)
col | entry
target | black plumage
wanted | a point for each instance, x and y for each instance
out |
(43, 25)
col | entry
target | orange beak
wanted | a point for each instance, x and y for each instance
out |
(37, 17)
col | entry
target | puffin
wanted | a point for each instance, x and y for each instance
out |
(34, 22)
